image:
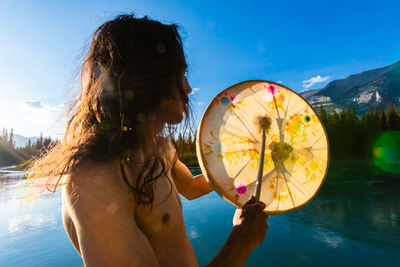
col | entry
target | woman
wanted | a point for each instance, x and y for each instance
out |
(120, 171)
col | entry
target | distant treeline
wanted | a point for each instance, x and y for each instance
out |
(186, 148)
(350, 136)
(353, 136)
(11, 155)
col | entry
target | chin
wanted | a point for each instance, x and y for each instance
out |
(175, 119)
(171, 111)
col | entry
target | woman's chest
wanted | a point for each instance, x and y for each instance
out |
(165, 215)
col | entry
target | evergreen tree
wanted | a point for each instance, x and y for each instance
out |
(2, 137)
(47, 142)
(39, 142)
(323, 115)
(393, 119)
(11, 142)
(383, 121)
(5, 137)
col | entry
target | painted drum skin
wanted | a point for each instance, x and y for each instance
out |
(296, 155)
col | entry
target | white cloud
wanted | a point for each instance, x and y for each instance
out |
(194, 90)
(279, 81)
(37, 105)
(32, 117)
(200, 103)
(33, 104)
(317, 79)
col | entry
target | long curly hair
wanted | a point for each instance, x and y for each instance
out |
(132, 65)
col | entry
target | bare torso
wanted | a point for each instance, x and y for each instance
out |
(163, 226)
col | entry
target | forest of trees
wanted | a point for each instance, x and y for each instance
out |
(352, 136)
(186, 148)
(11, 155)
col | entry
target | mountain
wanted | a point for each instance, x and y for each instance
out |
(21, 141)
(375, 88)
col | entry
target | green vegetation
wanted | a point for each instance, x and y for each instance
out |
(186, 148)
(352, 136)
(24, 165)
(11, 155)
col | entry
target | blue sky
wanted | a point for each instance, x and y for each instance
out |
(291, 42)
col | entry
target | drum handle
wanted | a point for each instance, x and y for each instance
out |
(261, 166)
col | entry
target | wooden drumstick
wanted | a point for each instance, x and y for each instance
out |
(264, 123)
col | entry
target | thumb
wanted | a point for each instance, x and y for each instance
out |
(251, 200)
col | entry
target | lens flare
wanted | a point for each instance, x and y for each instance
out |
(386, 152)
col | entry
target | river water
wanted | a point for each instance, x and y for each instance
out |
(353, 220)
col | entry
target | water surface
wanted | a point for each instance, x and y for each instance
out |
(354, 220)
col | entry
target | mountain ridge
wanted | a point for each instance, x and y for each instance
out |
(376, 88)
(22, 141)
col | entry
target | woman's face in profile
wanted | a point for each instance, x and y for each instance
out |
(171, 111)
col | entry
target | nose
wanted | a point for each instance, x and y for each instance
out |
(188, 89)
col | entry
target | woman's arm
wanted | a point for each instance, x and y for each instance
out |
(188, 186)
(249, 231)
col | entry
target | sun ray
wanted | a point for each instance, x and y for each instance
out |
(224, 130)
(290, 192)
(292, 181)
(240, 171)
(276, 107)
(244, 124)
(307, 155)
(254, 95)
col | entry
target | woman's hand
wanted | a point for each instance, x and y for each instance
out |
(248, 232)
(250, 220)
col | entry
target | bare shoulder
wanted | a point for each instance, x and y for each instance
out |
(95, 193)
(102, 210)
(97, 183)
